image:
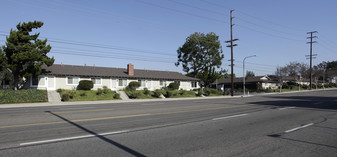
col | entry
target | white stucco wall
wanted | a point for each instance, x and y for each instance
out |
(112, 83)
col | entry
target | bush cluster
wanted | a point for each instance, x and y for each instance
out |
(85, 95)
(173, 86)
(22, 96)
(133, 85)
(85, 85)
(212, 91)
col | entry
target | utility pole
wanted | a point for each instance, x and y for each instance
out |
(231, 46)
(310, 56)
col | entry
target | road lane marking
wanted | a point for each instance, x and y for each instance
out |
(284, 108)
(317, 103)
(117, 117)
(82, 111)
(73, 138)
(301, 127)
(239, 115)
(76, 108)
(152, 104)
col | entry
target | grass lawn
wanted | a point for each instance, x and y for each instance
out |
(89, 95)
(22, 96)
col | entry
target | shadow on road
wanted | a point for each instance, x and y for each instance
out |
(129, 150)
(309, 102)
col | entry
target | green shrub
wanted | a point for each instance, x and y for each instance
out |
(199, 93)
(133, 85)
(168, 94)
(65, 97)
(183, 92)
(174, 86)
(133, 94)
(83, 94)
(211, 91)
(117, 96)
(285, 86)
(59, 90)
(22, 96)
(85, 85)
(146, 91)
(99, 91)
(106, 90)
(305, 86)
(157, 93)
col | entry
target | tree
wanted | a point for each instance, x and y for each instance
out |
(24, 53)
(280, 73)
(249, 74)
(2, 60)
(200, 55)
(209, 75)
(229, 75)
(295, 69)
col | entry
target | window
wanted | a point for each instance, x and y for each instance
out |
(73, 80)
(122, 82)
(162, 83)
(142, 83)
(194, 84)
(97, 81)
(177, 82)
(38, 81)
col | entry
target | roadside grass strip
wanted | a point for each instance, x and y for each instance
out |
(73, 138)
(301, 127)
(239, 115)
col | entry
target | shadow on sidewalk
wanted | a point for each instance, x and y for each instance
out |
(129, 150)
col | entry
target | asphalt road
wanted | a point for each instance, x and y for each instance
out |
(294, 124)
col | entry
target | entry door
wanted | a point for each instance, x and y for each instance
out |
(51, 81)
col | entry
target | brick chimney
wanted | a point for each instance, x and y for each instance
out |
(130, 69)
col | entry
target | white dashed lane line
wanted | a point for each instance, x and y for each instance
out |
(284, 108)
(73, 138)
(301, 127)
(239, 115)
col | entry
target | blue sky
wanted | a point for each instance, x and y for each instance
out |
(147, 33)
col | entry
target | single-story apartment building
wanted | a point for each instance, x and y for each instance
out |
(256, 82)
(60, 76)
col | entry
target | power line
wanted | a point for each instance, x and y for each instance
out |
(181, 12)
(86, 44)
(104, 56)
(240, 19)
(250, 15)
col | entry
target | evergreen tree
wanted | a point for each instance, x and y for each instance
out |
(24, 53)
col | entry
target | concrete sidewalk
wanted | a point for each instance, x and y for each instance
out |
(139, 100)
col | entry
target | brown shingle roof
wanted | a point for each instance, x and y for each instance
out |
(90, 71)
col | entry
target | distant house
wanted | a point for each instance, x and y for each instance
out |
(256, 82)
(296, 79)
(68, 76)
(332, 76)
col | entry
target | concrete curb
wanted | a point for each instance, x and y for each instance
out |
(137, 100)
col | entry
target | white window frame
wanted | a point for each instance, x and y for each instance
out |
(140, 82)
(95, 81)
(42, 77)
(123, 85)
(162, 84)
(194, 83)
(79, 79)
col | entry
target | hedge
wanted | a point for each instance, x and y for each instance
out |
(22, 96)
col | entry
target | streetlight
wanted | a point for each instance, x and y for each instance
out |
(244, 79)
